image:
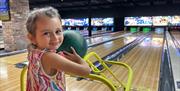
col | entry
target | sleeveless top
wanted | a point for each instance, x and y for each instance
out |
(38, 80)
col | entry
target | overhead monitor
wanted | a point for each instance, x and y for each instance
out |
(81, 22)
(97, 21)
(75, 22)
(161, 20)
(175, 21)
(138, 21)
(108, 21)
(102, 21)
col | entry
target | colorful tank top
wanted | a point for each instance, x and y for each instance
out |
(38, 80)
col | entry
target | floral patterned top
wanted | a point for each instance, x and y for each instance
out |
(37, 79)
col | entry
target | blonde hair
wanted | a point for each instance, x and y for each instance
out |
(37, 13)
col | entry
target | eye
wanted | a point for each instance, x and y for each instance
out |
(46, 33)
(58, 32)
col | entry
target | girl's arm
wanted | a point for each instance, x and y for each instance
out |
(72, 64)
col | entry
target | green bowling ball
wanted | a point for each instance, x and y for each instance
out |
(76, 40)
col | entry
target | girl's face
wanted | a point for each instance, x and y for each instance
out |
(49, 33)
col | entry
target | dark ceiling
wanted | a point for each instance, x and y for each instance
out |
(81, 8)
(66, 5)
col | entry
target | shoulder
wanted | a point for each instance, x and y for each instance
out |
(52, 60)
(51, 57)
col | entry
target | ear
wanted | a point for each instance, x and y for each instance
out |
(31, 38)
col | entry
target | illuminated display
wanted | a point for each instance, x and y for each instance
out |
(175, 21)
(75, 22)
(161, 20)
(4, 10)
(85, 22)
(102, 21)
(138, 21)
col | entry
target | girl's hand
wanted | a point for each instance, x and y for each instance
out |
(73, 56)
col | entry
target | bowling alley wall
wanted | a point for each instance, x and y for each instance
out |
(14, 31)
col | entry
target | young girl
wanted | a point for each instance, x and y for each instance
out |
(46, 67)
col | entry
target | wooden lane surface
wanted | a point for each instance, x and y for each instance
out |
(13, 59)
(84, 85)
(9, 77)
(145, 61)
(174, 54)
(111, 46)
(98, 39)
(176, 35)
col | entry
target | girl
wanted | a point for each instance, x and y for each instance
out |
(46, 67)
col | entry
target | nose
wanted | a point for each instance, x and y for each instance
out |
(54, 37)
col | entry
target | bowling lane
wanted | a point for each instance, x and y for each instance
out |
(9, 77)
(13, 59)
(84, 85)
(176, 34)
(145, 60)
(106, 48)
(174, 55)
(93, 40)
(105, 34)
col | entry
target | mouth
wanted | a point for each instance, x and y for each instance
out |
(54, 44)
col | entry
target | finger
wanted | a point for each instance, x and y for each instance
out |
(66, 53)
(73, 50)
(67, 56)
(70, 57)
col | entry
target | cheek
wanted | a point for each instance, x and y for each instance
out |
(61, 38)
(44, 39)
